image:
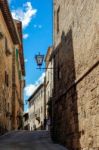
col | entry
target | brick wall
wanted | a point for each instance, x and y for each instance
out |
(76, 83)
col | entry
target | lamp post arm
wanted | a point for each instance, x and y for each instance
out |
(46, 68)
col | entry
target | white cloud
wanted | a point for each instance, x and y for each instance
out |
(40, 26)
(25, 36)
(26, 60)
(29, 89)
(24, 14)
(41, 79)
(9, 1)
(32, 87)
(26, 111)
(37, 26)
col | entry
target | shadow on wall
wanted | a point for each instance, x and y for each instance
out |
(65, 125)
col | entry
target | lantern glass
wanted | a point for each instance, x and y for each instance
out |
(39, 59)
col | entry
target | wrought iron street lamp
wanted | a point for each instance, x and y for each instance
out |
(39, 60)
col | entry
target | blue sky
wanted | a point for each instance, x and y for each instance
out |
(36, 16)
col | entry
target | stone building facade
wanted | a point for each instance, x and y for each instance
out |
(76, 74)
(5, 76)
(37, 109)
(18, 81)
(26, 121)
(9, 41)
(48, 84)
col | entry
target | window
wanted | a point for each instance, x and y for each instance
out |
(58, 12)
(1, 35)
(41, 93)
(41, 109)
(5, 104)
(8, 107)
(48, 94)
(19, 74)
(7, 50)
(6, 43)
(59, 73)
(6, 79)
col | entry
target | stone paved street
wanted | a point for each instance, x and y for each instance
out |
(26, 140)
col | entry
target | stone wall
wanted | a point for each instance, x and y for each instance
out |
(10, 90)
(76, 81)
(49, 79)
(17, 105)
(5, 69)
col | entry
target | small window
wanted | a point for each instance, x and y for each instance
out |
(5, 103)
(41, 109)
(8, 107)
(58, 13)
(59, 73)
(6, 79)
(6, 43)
(1, 35)
(7, 50)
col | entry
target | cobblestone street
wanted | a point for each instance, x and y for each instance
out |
(25, 140)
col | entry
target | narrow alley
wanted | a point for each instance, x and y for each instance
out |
(26, 140)
(49, 74)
